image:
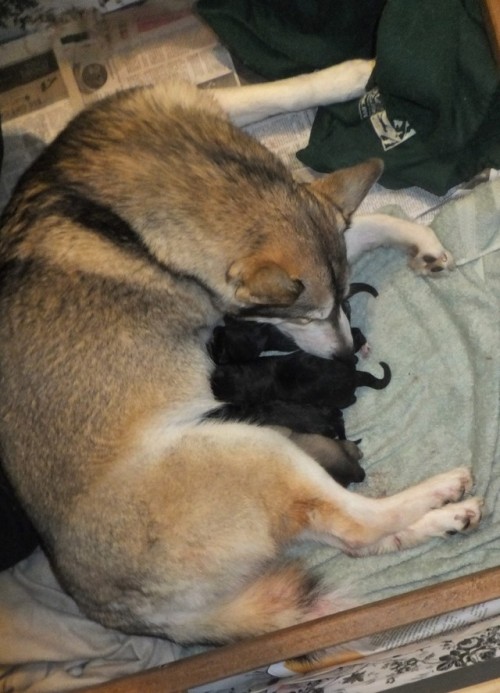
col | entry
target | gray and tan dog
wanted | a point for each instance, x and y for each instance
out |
(147, 219)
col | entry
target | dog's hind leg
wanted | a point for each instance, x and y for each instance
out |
(426, 253)
(372, 525)
(440, 522)
(254, 102)
(286, 592)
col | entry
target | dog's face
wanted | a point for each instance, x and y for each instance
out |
(322, 337)
(299, 278)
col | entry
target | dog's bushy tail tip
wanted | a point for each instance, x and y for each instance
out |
(285, 595)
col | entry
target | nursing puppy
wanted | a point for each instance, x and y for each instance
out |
(300, 393)
(243, 377)
(145, 221)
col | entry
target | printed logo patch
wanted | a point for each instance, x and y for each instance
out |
(391, 133)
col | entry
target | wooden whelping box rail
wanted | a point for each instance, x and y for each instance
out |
(329, 631)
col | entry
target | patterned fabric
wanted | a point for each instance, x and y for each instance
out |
(476, 644)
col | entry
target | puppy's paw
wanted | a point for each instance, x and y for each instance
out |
(344, 466)
(365, 350)
(351, 449)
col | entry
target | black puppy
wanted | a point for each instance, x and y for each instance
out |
(293, 377)
(299, 392)
(243, 378)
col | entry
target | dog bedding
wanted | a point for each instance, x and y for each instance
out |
(441, 409)
(441, 337)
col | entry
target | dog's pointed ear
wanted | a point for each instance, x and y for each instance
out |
(347, 187)
(263, 282)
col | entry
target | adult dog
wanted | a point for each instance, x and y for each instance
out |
(149, 217)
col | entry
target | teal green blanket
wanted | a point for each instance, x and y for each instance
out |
(441, 338)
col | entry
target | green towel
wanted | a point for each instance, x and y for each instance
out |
(441, 338)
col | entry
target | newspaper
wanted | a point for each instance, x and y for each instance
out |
(48, 77)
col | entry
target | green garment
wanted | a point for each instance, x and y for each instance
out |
(432, 111)
(280, 38)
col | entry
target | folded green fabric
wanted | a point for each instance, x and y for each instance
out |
(432, 108)
(432, 111)
(279, 38)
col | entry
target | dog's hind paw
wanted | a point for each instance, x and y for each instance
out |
(449, 487)
(441, 522)
(452, 518)
(467, 515)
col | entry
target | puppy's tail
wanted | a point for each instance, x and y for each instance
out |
(364, 379)
(285, 595)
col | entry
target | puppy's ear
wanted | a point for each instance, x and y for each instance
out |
(263, 282)
(347, 187)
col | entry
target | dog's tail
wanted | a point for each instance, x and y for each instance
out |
(286, 594)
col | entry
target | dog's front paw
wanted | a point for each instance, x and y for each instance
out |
(427, 254)
(431, 263)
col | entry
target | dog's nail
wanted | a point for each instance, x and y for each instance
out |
(437, 269)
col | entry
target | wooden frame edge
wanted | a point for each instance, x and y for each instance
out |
(492, 17)
(369, 619)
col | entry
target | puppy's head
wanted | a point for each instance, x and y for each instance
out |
(298, 276)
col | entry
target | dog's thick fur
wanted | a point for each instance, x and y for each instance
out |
(146, 220)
